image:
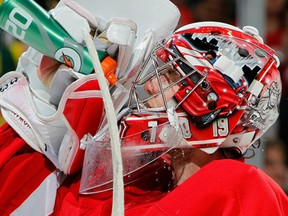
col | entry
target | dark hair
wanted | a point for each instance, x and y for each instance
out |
(236, 153)
(231, 153)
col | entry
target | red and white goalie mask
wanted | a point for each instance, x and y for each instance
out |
(210, 85)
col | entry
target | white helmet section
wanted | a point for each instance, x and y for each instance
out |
(160, 17)
(208, 23)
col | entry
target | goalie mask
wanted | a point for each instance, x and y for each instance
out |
(218, 85)
(209, 85)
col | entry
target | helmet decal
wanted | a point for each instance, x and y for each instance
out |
(265, 110)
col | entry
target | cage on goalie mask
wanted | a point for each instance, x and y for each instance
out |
(217, 74)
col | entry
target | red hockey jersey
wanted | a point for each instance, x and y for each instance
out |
(223, 187)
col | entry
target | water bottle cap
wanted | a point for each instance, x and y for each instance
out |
(109, 67)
